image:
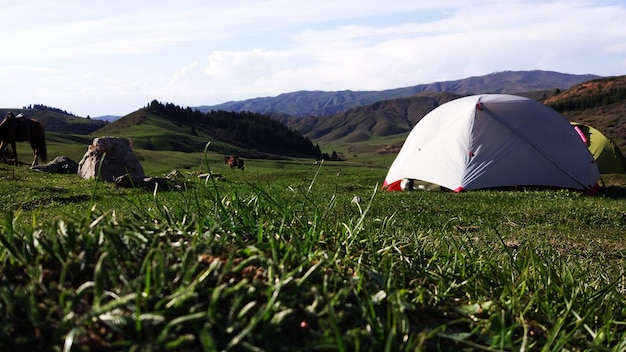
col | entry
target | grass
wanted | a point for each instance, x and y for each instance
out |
(279, 258)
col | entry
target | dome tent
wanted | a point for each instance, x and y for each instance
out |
(494, 140)
(609, 158)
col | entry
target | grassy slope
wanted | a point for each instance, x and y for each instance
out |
(148, 131)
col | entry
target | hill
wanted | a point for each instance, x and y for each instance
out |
(600, 103)
(380, 119)
(319, 103)
(56, 121)
(170, 127)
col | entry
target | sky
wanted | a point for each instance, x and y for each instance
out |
(95, 58)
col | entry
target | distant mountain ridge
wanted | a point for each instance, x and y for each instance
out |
(383, 126)
(321, 103)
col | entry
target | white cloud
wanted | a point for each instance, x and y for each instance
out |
(119, 55)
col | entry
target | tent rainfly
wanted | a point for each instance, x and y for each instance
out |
(492, 141)
(609, 158)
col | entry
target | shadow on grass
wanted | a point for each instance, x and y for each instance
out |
(614, 192)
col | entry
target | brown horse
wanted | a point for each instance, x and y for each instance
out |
(17, 129)
(234, 161)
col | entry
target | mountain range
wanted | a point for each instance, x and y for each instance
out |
(599, 102)
(321, 103)
(372, 121)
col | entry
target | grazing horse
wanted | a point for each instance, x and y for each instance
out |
(234, 161)
(17, 129)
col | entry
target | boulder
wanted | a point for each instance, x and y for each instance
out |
(108, 158)
(58, 165)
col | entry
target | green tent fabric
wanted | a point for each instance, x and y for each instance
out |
(609, 158)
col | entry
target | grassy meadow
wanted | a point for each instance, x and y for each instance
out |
(279, 257)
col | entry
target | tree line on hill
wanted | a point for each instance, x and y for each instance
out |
(42, 107)
(243, 129)
(596, 100)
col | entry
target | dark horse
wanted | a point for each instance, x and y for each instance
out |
(17, 129)
(234, 161)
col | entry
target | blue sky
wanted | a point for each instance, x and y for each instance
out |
(113, 57)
